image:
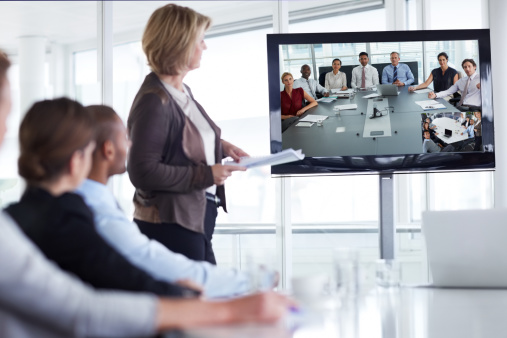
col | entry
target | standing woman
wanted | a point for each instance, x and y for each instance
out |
(336, 79)
(174, 162)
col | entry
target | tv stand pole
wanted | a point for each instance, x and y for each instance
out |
(387, 231)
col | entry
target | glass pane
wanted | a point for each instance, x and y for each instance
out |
(439, 16)
(40, 38)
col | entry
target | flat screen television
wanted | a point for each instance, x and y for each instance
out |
(348, 141)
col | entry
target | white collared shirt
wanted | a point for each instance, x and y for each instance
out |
(371, 76)
(336, 81)
(473, 96)
(310, 86)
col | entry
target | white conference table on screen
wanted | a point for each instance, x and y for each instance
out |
(347, 134)
(443, 123)
(389, 313)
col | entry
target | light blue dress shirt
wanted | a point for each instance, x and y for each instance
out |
(153, 257)
(404, 74)
(470, 131)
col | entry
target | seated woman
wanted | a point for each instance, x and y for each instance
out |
(336, 79)
(292, 98)
(56, 143)
(443, 77)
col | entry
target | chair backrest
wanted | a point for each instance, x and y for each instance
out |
(413, 65)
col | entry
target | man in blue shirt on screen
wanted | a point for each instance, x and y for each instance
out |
(124, 235)
(398, 74)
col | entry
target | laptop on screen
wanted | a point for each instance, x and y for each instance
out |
(387, 90)
(467, 248)
(448, 133)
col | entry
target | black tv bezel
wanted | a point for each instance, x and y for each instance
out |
(383, 164)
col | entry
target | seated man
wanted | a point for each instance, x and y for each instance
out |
(431, 147)
(124, 235)
(398, 74)
(470, 130)
(310, 86)
(365, 75)
(470, 87)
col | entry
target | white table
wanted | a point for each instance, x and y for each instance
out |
(444, 123)
(397, 313)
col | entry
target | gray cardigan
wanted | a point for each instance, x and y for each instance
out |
(39, 300)
(167, 163)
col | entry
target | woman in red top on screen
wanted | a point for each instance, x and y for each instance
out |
(292, 98)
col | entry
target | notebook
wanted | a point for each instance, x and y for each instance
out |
(467, 248)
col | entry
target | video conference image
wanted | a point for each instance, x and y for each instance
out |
(381, 98)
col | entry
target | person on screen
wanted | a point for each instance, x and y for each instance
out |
(431, 147)
(292, 98)
(478, 131)
(470, 87)
(309, 85)
(336, 79)
(431, 125)
(443, 77)
(123, 235)
(365, 75)
(470, 130)
(398, 74)
(466, 123)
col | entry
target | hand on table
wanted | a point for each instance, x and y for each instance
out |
(432, 95)
(326, 94)
(300, 112)
(398, 83)
(411, 89)
(344, 88)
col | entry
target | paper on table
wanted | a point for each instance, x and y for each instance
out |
(338, 91)
(370, 96)
(430, 104)
(313, 118)
(421, 91)
(285, 156)
(326, 99)
(346, 106)
(304, 124)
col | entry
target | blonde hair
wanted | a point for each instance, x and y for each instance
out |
(170, 37)
(285, 74)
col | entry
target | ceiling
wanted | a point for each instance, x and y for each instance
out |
(66, 22)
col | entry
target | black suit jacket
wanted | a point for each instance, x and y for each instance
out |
(63, 228)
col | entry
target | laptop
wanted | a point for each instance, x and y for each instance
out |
(467, 248)
(448, 133)
(387, 90)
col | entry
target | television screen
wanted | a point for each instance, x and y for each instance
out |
(422, 102)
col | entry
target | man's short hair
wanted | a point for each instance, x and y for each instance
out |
(444, 54)
(469, 60)
(105, 119)
(337, 60)
(304, 66)
(363, 53)
(395, 53)
(425, 131)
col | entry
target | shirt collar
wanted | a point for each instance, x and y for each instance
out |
(473, 75)
(95, 193)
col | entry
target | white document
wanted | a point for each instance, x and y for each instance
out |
(370, 96)
(326, 99)
(304, 124)
(285, 156)
(338, 91)
(430, 105)
(346, 106)
(313, 118)
(421, 91)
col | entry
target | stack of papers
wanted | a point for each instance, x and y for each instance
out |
(345, 106)
(313, 118)
(285, 156)
(326, 99)
(304, 124)
(421, 91)
(430, 104)
(339, 91)
(370, 96)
